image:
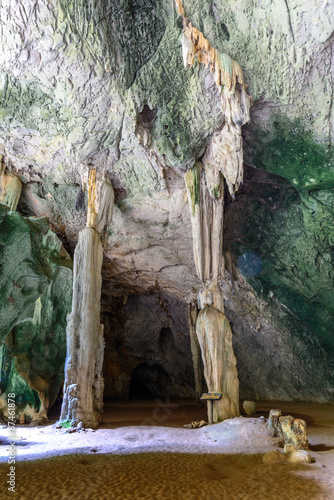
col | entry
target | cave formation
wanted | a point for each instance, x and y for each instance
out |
(166, 206)
(83, 386)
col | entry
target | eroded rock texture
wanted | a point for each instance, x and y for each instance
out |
(35, 292)
(10, 188)
(83, 386)
(292, 430)
(104, 83)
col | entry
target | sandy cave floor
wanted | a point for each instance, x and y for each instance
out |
(142, 451)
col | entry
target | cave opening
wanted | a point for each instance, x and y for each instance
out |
(147, 348)
(55, 409)
(148, 382)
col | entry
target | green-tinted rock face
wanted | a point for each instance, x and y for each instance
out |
(35, 291)
(284, 147)
(286, 255)
(303, 232)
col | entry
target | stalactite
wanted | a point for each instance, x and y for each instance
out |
(83, 386)
(205, 190)
(206, 194)
(223, 158)
(10, 188)
(224, 152)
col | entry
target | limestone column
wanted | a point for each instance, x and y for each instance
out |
(83, 386)
(205, 195)
(223, 159)
(195, 349)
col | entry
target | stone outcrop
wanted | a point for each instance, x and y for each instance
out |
(35, 296)
(294, 433)
(273, 423)
(83, 386)
(291, 430)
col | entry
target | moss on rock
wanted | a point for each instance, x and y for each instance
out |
(287, 257)
(35, 291)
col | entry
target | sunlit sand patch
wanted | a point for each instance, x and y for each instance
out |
(158, 475)
(222, 462)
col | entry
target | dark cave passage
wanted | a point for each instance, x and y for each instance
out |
(147, 352)
(148, 382)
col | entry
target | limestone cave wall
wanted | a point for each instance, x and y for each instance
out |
(103, 83)
(35, 297)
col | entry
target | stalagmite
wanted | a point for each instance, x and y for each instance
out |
(215, 338)
(205, 190)
(195, 349)
(10, 188)
(223, 159)
(83, 386)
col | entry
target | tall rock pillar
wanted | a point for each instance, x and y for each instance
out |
(223, 159)
(206, 195)
(83, 386)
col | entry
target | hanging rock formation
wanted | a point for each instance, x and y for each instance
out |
(205, 187)
(83, 387)
(10, 188)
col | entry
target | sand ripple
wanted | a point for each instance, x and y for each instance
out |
(164, 476)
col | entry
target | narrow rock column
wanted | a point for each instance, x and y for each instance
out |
(83, 386)
(205, 196)
(10, 188)
(223, 159)
(195, 349)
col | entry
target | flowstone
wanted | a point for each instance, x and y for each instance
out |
(83, 386)
(223, 159)
(10, 187)
(221, 375)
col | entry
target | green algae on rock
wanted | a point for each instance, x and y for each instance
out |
(35, 290)
(271, 225)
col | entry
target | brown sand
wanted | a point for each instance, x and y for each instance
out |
(128, 462)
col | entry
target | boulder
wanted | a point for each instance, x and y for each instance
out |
(250, 407)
